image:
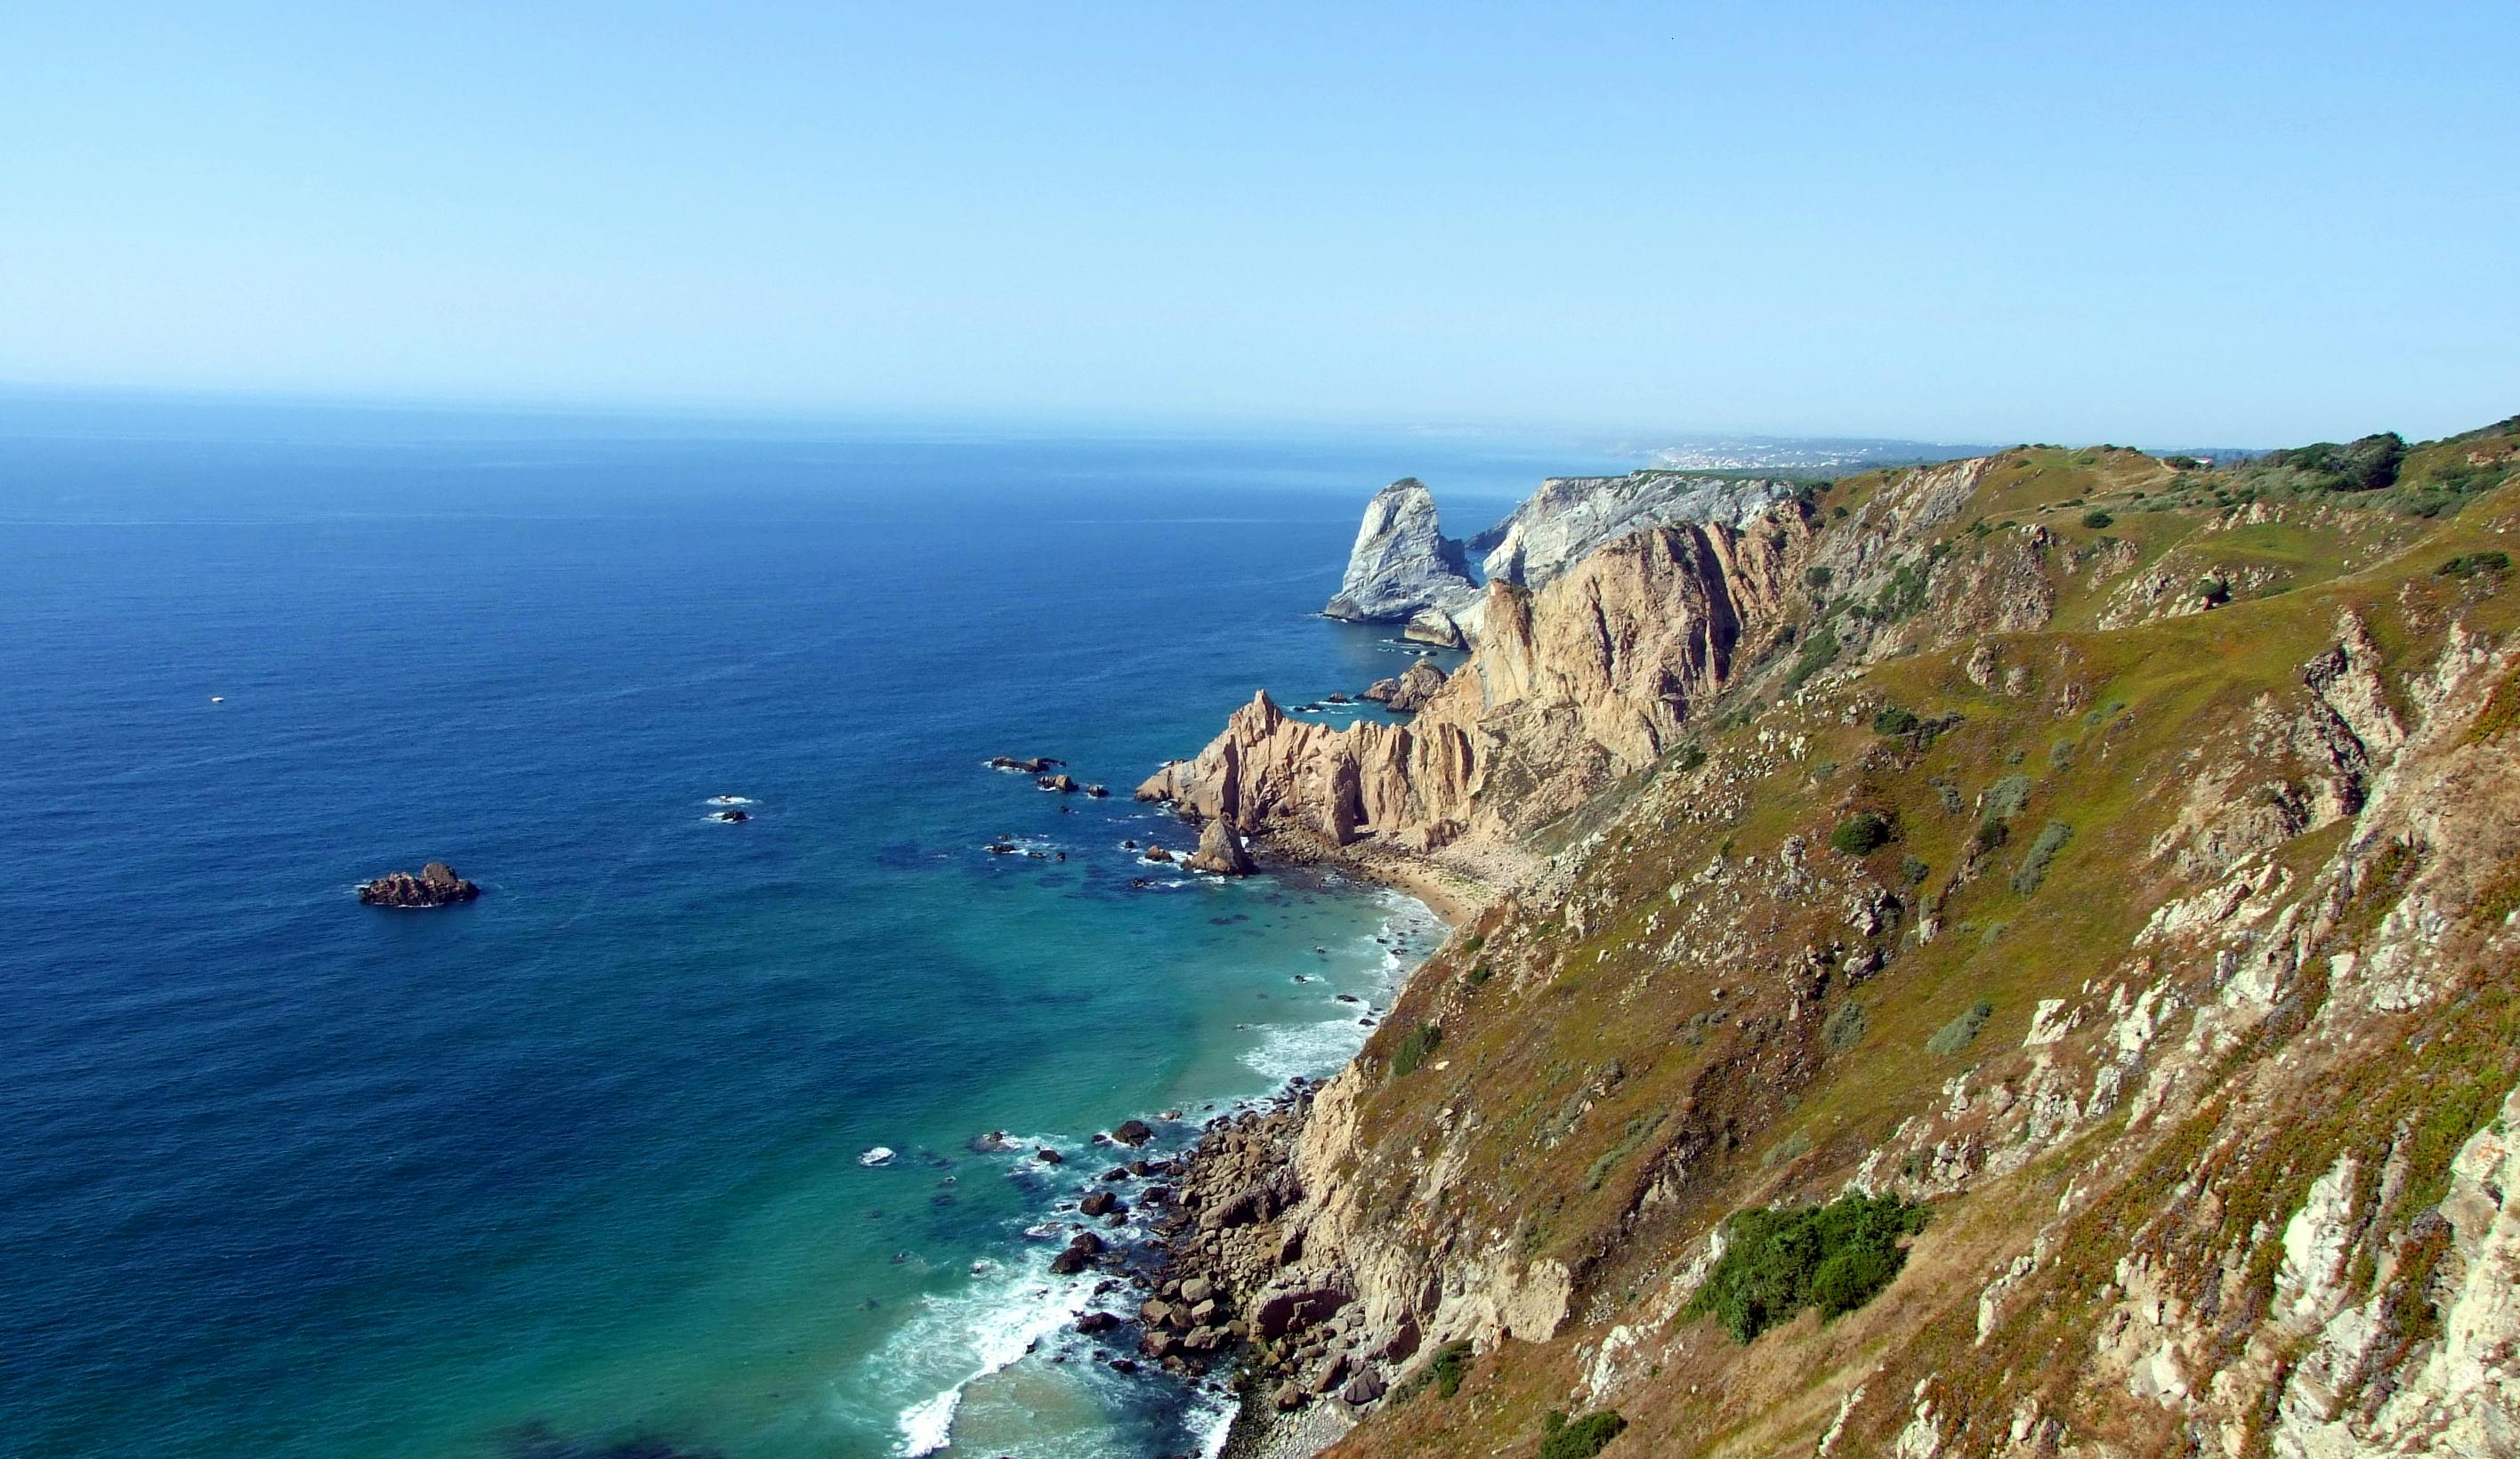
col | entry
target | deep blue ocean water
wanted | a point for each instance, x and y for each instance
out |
(578, 1164)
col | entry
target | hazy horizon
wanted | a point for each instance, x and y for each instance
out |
(1980, 225)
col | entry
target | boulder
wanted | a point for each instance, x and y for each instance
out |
(1061, 783)
(1096, 1322)
(1220, 851)
(1366, 1386)
(435, 885)
(734, 815)
(1290, 1396)
(1293, 1311)
(1102, 1203)
(1133, 1133)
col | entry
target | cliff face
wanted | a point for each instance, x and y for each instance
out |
(1569, 516)
(1589, 677)
(1402, 563)
(2173, 976)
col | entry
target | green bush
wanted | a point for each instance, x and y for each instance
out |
(1449, 1366)
(1892, 720)
(1861, 832)
(2096, 519)
(1582, 1438)
(1775, 1260)
(2363, 465)
(2034, 861)
(2005, 797)
(1818, 577)
(1415, 1046)
(2470, 564)
(1913, 870)
(1961, 1032)
(1843, 1028)
(1818, 652)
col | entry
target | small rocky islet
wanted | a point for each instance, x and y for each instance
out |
(432, 885)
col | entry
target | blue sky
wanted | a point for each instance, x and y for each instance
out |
(2157, 223)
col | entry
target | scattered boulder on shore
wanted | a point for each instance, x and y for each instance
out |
(436, 885)
(1061, 783)
(1033, 765)
(1220, 851)
(1099, 791)
(1158, 854)
(1133, 1133)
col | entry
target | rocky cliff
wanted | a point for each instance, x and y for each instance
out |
(1402, 563)
(1562, 522)
(1590, 678)
(2148, 954)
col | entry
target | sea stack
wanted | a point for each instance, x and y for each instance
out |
(436, 885)
(1402, 561)
(1220, 851)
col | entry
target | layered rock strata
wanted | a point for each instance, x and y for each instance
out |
(1402, 563)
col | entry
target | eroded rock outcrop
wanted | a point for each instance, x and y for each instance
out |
(1402, 561)
(1409, 692)
(1220, 851)
(1590, 677)
(1569, 516)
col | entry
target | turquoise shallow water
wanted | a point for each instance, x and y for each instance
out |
(575, 1169)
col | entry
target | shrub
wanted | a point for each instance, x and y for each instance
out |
(1861, 832)
(2367, 463)
(1961, 1032)
(1582, 1438)
(1449, 1366)
(1818, 651)
(2215, 592)
(2096, 519)
(1774, 1261)
(2034, 861)
(1843, 1028)
(1913, 870)
(1415, 1046)
(2005, 797)
(1892, 720)
(1818, 577)
(2470, 564)
(1480, 972)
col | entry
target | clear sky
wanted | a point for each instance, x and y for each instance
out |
(2163, 223)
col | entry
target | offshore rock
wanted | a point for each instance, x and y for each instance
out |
(1569, 516)
(436, 885)
(1402, 561)
(1220, 851)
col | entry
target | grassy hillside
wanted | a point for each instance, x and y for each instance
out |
(2099, 937)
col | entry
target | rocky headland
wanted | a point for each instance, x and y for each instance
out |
(2072, 893)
